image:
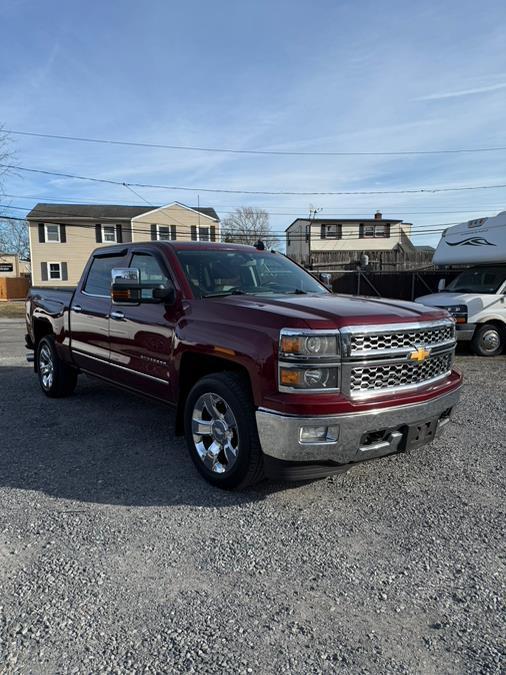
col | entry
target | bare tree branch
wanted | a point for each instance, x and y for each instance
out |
(6, 155)
(14, 236)
(247, 225)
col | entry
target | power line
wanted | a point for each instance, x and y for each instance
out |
(241, 151)
(330, 215)
(138, 195)
(253, 192)
(98, 216)
(349, 207)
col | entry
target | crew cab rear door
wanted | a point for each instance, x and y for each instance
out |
(89, 313)
(141, 336)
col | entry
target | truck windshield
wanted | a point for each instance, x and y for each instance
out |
(213, 273)
(478, 280)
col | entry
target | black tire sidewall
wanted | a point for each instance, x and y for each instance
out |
(215, 384)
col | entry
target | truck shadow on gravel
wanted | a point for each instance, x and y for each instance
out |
(101, 445)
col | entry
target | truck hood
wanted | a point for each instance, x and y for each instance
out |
(449, 299)
(325, 311)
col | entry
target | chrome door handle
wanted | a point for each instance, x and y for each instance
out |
(117, 316)
(77, 308)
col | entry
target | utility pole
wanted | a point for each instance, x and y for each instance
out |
(312, 215)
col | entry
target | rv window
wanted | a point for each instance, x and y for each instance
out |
(478, 280)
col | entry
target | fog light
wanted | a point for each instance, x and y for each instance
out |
(319, 434)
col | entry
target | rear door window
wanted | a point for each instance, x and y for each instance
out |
(98, 281)
(151, 272)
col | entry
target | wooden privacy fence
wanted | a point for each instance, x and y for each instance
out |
(13, 288)
(402, 285)
(379, 261)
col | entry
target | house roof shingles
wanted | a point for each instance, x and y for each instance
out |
(99, 212)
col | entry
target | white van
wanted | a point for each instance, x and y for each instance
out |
(477, 296)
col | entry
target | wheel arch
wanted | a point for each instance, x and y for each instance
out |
(193, 367)
(497, 321)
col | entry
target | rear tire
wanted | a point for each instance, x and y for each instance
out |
(488, 340)
(221, 432)
(56, 378)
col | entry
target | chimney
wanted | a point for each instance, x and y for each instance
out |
(378, 215)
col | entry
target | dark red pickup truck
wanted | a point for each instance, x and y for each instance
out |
(269, 372)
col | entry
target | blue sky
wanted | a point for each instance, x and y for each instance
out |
(321, 75)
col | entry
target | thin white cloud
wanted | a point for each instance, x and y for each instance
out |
(463, 92)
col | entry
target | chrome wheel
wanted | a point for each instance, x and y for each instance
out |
(490, 341)
(215, 433)
(46, 367)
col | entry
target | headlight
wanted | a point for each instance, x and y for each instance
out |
(458, 312)
(456, 309)
(308, 360)
(309, 343)
(308, 378)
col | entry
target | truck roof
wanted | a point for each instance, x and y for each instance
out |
(206, 245)
(181, 246)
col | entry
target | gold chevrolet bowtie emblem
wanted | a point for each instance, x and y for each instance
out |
(420, 354)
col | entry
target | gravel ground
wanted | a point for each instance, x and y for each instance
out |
(115, 557)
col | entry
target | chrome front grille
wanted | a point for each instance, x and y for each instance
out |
(388, 358)
(371, 379)
(382, 341)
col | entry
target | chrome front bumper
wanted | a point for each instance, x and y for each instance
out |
(355, 437)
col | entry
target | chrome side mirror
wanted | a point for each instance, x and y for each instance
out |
(125, 286)
(326, 279)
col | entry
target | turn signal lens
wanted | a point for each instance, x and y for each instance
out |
(289, 377)
(290, 344)
(308, 378)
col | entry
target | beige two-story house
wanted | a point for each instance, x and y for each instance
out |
(62, 236)
(344, 241)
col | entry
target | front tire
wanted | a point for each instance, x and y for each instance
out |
(221, 433)
(56, 378)
(488, 340)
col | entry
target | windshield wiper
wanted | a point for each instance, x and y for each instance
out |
(298, 291)
(221, 294)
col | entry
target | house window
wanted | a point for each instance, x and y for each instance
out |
(54, 270)
(52, 233)
(163, 232)
(166, 232)
(203, 234)
(109, 234)
(333, 231)
(375, 231)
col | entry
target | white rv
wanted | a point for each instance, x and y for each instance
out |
(477, 296)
